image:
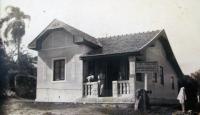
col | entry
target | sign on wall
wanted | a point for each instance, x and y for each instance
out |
(146, 67)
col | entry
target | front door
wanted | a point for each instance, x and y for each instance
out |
(111, 74)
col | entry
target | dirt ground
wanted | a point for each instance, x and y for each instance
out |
(29, 107)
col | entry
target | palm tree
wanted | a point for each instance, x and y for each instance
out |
(15, 26)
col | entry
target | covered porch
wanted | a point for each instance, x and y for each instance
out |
(119, 84)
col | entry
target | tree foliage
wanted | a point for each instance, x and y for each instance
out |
(196, 75)
(22, 76)
(3, 69)
(27, 63)
(15, 25)
(191, 91)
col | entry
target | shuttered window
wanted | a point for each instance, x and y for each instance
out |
(59, 70)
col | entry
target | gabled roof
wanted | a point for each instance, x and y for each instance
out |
(134, 44)
(109, 46)
(56, 24)
(124, 44)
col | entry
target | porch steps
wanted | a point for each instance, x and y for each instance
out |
(107, 100)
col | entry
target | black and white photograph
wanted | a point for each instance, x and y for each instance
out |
(99, 57)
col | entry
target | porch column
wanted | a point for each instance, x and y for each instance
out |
(132, 76)
(114, 89)
(145, 81)
(95, 89)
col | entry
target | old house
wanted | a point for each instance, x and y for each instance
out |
(67, 56)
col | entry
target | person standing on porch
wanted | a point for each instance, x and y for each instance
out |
(101, 81)
(90, 77)
(120, 76)
(182, 97)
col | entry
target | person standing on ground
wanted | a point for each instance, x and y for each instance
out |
(182, 98)
(198, 96)
(142, 100)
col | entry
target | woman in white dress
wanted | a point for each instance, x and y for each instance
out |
(101, 80)
(182, 97)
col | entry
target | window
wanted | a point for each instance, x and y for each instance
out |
(155, 77)
(59, 70)
(172, 81)
(161, 75)
(139, 77)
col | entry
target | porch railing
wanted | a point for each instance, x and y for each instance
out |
(90, 89)
(121, 88)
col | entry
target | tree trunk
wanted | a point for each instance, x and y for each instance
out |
(18, 51)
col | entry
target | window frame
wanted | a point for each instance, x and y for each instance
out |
(54, 59)
(162, 79)
(155, 77)
(139, 77)
(172, 83)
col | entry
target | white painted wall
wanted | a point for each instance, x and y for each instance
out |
(165, 91)
(60, 44)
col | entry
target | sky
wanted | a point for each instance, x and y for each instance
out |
(100, 18)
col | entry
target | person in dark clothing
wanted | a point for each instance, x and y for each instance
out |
(142, 100)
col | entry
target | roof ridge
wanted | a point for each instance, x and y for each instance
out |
(116, 36)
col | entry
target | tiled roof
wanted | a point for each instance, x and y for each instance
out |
(124, 43)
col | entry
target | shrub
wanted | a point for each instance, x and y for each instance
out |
(3, 71)
(25, 86)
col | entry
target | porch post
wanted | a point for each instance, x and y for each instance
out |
(114, 89)
(132, 76)
(95, 89)
(145, 81)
